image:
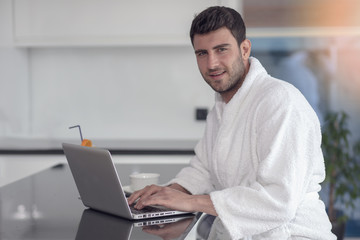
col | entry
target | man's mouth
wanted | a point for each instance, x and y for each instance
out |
(216, 74)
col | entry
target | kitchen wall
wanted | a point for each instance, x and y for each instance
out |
(14, 79)
(114, 92)
(147, 89)
(117, 92)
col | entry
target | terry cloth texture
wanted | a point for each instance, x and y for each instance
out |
(261, 162)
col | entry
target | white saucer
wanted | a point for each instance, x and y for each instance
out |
(127, 189)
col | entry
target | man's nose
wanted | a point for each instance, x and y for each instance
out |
(212, 62)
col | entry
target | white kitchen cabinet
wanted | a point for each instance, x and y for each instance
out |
(39, 23)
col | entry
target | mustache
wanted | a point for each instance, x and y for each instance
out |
(215, 70)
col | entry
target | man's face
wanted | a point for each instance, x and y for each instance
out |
(220, 61)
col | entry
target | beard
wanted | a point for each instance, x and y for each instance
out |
(236, 76)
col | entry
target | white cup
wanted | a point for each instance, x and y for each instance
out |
(141, 180)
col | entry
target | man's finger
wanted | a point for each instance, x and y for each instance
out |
(143, 193)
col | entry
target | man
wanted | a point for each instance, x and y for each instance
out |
(259, 164)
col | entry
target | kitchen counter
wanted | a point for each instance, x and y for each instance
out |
(116, 146)
(46, 206)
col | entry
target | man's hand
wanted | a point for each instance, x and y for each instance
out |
(174, 197)
(164, 196)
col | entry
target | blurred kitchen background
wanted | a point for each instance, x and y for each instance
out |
(126, 72)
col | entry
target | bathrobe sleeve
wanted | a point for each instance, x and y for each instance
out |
(286, 141)
(196, 177)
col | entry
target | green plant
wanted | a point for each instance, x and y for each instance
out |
(342, 163)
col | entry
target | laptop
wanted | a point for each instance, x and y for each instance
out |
(97, 225)
(99, 185)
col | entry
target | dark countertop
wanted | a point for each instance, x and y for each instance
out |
(46, 206)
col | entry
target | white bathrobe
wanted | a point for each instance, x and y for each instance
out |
(261, 162)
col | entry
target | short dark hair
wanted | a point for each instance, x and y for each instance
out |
(217, 17)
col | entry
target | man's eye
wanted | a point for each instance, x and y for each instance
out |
(200, 54)
(222, 49)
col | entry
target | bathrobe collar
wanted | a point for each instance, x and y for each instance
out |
(222, 108)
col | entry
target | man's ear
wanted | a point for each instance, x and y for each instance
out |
(245, 48)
